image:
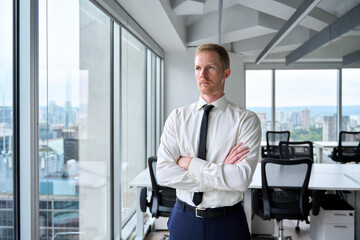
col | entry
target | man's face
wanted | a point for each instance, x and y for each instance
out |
(209, 73)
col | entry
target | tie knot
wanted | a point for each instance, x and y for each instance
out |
(207, 108)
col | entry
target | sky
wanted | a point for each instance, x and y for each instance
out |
(301, 87)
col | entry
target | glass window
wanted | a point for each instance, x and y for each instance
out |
(258, 96)
(133, 121)
(306, 103)
(74, 119)
(6, 120)
(351, 99)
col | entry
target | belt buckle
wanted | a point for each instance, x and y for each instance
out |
(198, 210)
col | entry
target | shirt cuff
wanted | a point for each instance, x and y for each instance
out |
(196, 168)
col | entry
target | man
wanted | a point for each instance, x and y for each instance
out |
(211, 170)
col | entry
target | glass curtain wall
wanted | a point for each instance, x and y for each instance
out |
(6, 120)
(258, 97)
(350, 100)
(74, 119)
(133, 119)
(306, 104)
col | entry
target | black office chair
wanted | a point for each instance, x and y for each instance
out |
(348, 149)
(297, 150)
(162, 198)
(284, 198)
(273, 138)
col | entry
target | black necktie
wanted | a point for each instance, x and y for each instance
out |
(202, 146)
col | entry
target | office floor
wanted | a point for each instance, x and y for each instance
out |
(289, 229)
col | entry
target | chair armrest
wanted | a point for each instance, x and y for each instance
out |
(143, 199)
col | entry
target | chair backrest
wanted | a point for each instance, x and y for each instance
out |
(349, 146)
(162, 198)
(273, 138)
(284, 197)
(296, 150)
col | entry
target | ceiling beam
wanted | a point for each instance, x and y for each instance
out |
(294, 20)
(351, 58)
(220, 18)
(345, 23)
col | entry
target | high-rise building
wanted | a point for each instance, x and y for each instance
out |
(262, 116)
(6, 116)
(265, 126)
(345, 122)
(295, 119)
(305, 118)
(280, 116)
(329, 128)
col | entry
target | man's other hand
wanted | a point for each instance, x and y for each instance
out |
(237, 154)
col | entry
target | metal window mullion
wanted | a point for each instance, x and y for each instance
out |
(148, 104)
(16, 134)
(158, 103)
(112, 173)
(162, 97)
(339, 103)
(117, 135)
(273, 103)
(29, 144)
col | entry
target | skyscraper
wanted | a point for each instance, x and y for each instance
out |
(305, 118)
(295, 119)
(329, 128)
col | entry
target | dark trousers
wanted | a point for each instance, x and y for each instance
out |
(184, 225)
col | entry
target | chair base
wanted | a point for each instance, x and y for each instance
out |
(166, 237)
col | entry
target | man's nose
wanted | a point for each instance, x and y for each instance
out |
(203, 72)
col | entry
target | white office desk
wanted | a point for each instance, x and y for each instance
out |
(323, 177)
(320, 145)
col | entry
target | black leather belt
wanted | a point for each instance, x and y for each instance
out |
(209, 212)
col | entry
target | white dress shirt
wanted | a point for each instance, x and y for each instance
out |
(228, 125)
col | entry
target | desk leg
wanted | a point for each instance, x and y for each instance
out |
(319, 153)
(139, 217)
(248, 207)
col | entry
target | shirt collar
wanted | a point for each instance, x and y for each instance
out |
(221, 103)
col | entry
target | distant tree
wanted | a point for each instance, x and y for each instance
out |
(312, 134)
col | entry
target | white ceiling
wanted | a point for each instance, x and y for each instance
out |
(247, 26)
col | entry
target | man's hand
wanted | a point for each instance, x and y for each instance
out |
(237, 154)
(184, 162)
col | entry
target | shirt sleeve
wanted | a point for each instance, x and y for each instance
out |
(167, 171)
(229, 177)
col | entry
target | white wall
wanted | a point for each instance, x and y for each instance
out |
(180, 84)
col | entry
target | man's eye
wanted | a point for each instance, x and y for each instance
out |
(210, 67)
(197, 68)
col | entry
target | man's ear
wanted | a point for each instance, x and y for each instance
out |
(227, 73)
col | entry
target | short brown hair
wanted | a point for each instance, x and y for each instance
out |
(223, 54)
